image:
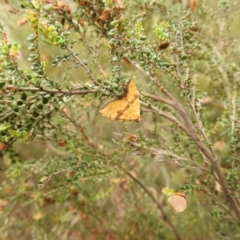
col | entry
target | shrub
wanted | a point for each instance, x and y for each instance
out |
(68, 173)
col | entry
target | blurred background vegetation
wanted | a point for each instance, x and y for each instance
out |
(67, 172)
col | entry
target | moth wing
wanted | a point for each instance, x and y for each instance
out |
(113, 109)
(178, 203)
(126, 108)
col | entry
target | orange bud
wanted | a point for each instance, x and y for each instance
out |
(193, 4)
(104, 15)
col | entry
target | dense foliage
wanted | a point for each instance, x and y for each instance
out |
(67, 172)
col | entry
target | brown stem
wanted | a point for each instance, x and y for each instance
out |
(165, 217)
(79, 61)
(67, 92)
(80, 128)
(190, 130)
(168, 116)
(156, 98)
(209, 155)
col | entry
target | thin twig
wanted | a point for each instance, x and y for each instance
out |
(156, 98)
(198, 120)
(79, 61)
(189, 129)
(159, 152)
(221, 204)
(169, 117)
(165, 217)
(44, 90)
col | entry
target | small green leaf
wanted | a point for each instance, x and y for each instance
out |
(4, 127)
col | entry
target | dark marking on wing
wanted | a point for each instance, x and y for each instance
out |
(121, 112)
